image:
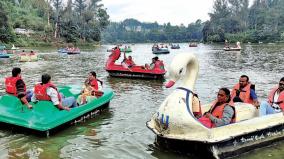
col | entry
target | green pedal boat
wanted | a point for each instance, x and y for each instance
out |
(45, 116)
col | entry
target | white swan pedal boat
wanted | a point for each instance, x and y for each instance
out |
(177, 129)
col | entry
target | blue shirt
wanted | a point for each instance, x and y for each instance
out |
(252, 94)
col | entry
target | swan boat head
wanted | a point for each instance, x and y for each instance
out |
(175, 117)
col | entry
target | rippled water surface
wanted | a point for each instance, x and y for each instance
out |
(120, 132)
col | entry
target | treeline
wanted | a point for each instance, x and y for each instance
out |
(236, 21)
(46, 21)
(233, 20)
(134, 31)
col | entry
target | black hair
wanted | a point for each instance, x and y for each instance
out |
(45, 78)
(156, 58)
(16, 71)
(282, 79)
(93, 73)
(242, 76)
(227, 92)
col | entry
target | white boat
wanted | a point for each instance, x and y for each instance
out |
(177, 128)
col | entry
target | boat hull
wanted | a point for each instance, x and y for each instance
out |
(4, 56)
(232, 49)
(160, 51)
(226, 148)
(38, 119)
(128, 74)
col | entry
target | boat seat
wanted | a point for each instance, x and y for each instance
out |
(245, 111)
(45, 107)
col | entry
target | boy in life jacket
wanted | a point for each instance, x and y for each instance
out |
(91, 89)
(47, 91)
(221, 112)
(244, 92)
(275, 102)
(17, 87)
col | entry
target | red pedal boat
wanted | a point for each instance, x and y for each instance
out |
(117, 70)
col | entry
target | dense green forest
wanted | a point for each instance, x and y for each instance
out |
(42, 22)
(80, 21)
(133, 31)
(234, 20)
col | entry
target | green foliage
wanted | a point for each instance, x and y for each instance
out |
(263, 21)
(131, 30)
(78, 21)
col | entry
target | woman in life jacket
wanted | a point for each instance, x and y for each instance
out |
(91, 89)
(221, 112)
(15, 86)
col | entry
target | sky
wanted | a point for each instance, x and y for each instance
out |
(163, 11)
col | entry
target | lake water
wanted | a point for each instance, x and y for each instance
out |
(120, 132)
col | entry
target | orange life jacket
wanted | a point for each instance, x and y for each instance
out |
(280, 100)
(244, 93)
(41, 94)
(159, 65)
(10, 84)
(217, 111)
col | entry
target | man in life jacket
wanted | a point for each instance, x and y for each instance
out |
(47, 91)
(244, 92)
(222, 111)
(275, 102)
(17, 87)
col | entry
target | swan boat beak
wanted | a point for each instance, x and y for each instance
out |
(169, 84)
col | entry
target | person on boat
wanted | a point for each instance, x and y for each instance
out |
(16, 86)
(238, 45)
(151, 66)
(91, 89)
(159, 64)
(222, 111)
(127, 61)
(275, 102)
(115, 54)
(226, 44)
(244, 92)
(48, 91)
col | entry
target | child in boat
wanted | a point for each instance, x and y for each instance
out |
(87, 91)
(91, 89)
